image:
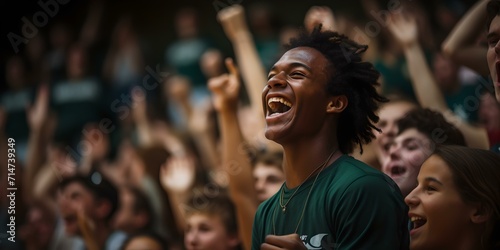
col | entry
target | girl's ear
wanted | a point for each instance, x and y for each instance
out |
(337, 104)
(480, 214)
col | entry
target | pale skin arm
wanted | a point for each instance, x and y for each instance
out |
(37, 116)
(139, 107)
(177, 177)
(427, 91)
(460, 44)
(235, 161)
(253, 73)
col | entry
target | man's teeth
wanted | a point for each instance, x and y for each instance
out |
(278, 99)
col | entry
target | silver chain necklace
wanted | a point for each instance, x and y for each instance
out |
(283, 207)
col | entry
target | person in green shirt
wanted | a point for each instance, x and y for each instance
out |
(320, 100)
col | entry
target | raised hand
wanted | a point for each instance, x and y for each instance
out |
(320, 15)
(37, 114)
(139, 105)
(290, 241)
(233, 21)
(178, 174)
(225, 88)
(403, 28)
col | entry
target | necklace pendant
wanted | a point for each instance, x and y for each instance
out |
(284, 209)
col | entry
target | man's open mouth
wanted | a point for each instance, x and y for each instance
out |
(278, 105)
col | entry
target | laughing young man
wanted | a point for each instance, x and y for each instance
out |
(319, 101)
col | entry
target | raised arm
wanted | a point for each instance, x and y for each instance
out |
(177, 178)
(37, 117)
(460, 45)
(235, 160)
(253, 73)
(426, 89)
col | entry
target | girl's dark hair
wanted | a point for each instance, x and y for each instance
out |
(351, 77)
(476, 175)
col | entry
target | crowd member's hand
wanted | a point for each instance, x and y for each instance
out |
(290, 241)
(320, 15)
(139, 105)
(178, 174)
(225, 88)
(403, 28)
(37, 114)
(233, 21)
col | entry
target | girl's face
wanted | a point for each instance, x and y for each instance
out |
(441, 219)
(208, 232)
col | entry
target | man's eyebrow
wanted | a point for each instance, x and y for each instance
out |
(294, 65)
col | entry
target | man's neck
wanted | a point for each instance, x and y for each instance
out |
(300, 160)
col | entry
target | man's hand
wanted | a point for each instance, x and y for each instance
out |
(225, 88)
(320, 15)
(178, 174)
(403, 28)
(290, 241)
(233, 21)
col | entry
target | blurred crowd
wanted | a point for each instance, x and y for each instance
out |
(112, 152)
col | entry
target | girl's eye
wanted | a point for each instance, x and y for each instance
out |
(270, 76)
(430, 189)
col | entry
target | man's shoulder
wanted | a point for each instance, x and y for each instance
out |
(349, 168)
(352, 173)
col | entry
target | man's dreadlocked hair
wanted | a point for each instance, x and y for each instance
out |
(350, 77)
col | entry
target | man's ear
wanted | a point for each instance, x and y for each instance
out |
(480, 214)
(337, 104)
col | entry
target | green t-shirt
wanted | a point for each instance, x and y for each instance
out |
(351, 206)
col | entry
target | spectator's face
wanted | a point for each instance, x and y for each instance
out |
(443, 217)
(489, 112)
(407, 153)
(208, 232)
(268, 180)
(493, 55)
(143, 242)
(446, 74)
(77, 63)
(75, 199)
(389, 115)
(295, 99)
(39, 227)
